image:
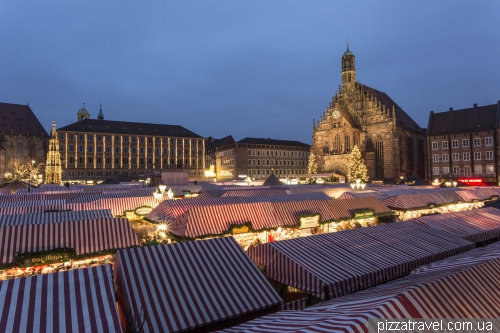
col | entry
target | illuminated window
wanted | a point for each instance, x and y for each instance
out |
(490, 169)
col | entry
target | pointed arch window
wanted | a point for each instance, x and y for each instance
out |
(347, 143)
(337, 144)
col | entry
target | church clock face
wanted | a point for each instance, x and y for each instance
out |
(336, 114)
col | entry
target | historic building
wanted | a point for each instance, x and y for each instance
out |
(259, 158)
(96, 149)
(463, 145)
(392, 144)
(211, 146)
(53, 170)
(22, 135)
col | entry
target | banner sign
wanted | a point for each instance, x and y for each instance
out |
(309, 221)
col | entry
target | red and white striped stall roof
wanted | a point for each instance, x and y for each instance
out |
(476, 226)
(80, 300)
(462, 292)
(255, 193)
(54, 217)
(187, 285)
(217, 220)
(472, 257)
(86, 236)
(332, 265)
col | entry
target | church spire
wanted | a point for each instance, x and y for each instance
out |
(100, 116)
(348, 68)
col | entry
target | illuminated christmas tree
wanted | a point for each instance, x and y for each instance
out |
(53, 169)
(312, 167)
(357, 166)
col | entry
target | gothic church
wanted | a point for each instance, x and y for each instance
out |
(392, 144)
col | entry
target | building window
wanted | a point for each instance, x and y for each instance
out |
(444, 144)
(455, 157)
(90, 137)
(467, 171)
(71, 160)
(99, 149)
(478, 169)
(488, 141)
(134, 139)
(61, 136)
(434, 145)
(490, 169)
(81, 149)
(446, 170)
(61, 148)
(90, 160)
(125, 160)
(445, 158)
(117, 138)
(489, 155)
(71, 137)
(456, 170)
(99, 138)
(125, 139)
(477, 142)
(117, 150)
(117, 160)
(249, 162)
(454, 144)
(108, 149)
(125, 150)
(141, 139)
(134, 160)
(108, 160)
(90, 149)
(477, 156)
(71, 148)
(466, 156)
(435, 171)
(81, 137)
(99, 160)
(465, 143)
(80, 160)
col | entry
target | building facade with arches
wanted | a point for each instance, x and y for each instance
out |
(392, 144)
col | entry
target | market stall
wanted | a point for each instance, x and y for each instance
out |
(74, 301)
(331, 265)
(46, 248)
(191, 285)
(54, 217)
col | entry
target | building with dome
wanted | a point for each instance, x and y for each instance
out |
(391, 142)
(93, 150)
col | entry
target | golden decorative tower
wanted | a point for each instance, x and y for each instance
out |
(53, 169)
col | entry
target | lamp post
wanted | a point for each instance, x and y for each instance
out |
(162, 186)
(170, 194)
(358, 185)
(30, 174)
(158, 195)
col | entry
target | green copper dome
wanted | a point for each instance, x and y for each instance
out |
(83, 110)
(346, 53)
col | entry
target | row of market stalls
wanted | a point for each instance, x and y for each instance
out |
(213, 284)
(258, 220)
(412, 203)
(35, 244)
(331, 265)
(209, 284)
(463, 286)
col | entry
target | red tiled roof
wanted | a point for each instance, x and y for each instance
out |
(20, 119)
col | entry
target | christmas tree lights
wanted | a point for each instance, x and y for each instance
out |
(357, 167)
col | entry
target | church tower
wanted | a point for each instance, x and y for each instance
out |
(348, 69)
(53, 171)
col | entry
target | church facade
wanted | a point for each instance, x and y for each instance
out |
(392, 144)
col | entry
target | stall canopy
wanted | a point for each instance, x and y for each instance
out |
(475, 225)
(188, 285)
(335, 264)
(216, 216)
(54, 217)
(458, 292)
(81, 300)
(87, 236)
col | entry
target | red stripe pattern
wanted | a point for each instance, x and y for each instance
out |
(86, 236)
(54, 217)
(188, 285)
(332, 265)
(80, 300)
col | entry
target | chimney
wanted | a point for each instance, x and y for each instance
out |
(451, 109)
(475, 105)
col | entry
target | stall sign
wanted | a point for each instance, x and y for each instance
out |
(143, 210)
(309, 221)
(241, 230)
(363, 214)
(471, 181)
(49, 258)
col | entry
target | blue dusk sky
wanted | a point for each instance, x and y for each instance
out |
(246, 68)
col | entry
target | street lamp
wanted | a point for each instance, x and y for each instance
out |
(158, 195)
(162, 186)
(170, 194)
